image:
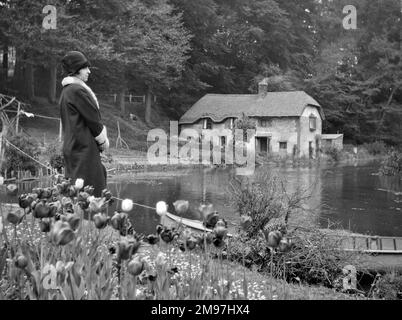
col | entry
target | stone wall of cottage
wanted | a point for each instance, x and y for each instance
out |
(307, 135)
(286, 135)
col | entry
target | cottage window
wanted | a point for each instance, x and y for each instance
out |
(313, 122)
(264, 123)
(283, 145)
(207, 123)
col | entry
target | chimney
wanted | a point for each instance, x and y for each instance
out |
(263, 88)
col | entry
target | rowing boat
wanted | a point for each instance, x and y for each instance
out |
(380, 252)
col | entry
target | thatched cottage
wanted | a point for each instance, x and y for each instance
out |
(287, 123)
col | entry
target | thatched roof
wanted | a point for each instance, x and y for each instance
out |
(219, 107)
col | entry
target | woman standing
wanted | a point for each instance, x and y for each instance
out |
(84, 134)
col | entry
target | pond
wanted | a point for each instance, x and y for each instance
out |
(352, 196)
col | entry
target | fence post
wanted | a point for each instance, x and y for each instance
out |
(130, 97)
(115, 98)
(18, 118)
(60, 130)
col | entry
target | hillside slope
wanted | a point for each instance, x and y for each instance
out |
(133, 132)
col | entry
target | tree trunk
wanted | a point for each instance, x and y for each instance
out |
(148, 106)
(52, 81)
(29, 80)
(19, 71)
(121, 100)
(5, 63)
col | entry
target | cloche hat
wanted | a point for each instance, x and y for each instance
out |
(73, 61)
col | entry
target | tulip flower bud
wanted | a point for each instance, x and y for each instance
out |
(124, 250)
(274, 237)
(21, 262)
(44, 225)
(161, 208)
(191, 243)
(116, 221)
(220, 231)
(61, 233)
(284, 245)
(127, 205)
(79, 184)
(135, 266)
(42, 210)
(96, 205)
(73, 220)
(12, 189)
(100, 220)
(65, 236)
(15, 217)
(152, 239)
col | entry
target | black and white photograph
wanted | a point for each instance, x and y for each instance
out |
(201, 156)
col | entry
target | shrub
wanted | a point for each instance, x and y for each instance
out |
(16, 160)
(389, 287)
(333, 153)
(55, 156)
(314, 257)
(392, 165)
(375, 148)
(262, 200)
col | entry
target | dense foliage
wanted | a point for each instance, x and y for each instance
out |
(180, 50)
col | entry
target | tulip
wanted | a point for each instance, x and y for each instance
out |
(116, 221)
(152, 239)
(15, 217)
(167, 235)
(61, 233)
(96, 205)
(218, 242)
(127, 205)
(191, 242)
(273, 238)
(220, 232)
(124, 250)
(22, 201)
(181, 206)
(1, 180)
(159, 228)
(79, 184)
(100, 220)
(12, 189)
(161, 208)
(106, 194)
(211, 219)
(135, 266)
(221, 223)
(44, 225)
(73, 220)
(82, 196)
(284, 245)
(21, 262)
(89, 189)
(206, 210)
(42, 210)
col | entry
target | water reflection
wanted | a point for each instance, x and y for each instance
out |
(354, 196)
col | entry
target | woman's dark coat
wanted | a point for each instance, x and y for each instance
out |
(81, 123)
